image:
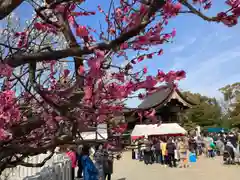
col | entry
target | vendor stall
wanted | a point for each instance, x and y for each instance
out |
(168, 129)
(139, 131)
(172, 129)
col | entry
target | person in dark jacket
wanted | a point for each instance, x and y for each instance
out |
(171, 147)
(107, 163)
(233, 139)
(133, 154)
(158, 152)
(192, 145)
(79, 159)
(152, 152)
(147, 152)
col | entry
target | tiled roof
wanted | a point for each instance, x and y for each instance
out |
(162, 96)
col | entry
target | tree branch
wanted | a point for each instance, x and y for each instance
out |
(7, 6)
(69, 36)
(25, 128)
(18, 60)
(14, 149)
(26, 164)
(198, 13)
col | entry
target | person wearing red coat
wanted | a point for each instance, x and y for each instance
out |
(73, 157)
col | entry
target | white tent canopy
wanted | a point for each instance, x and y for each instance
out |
(140, 130)
(155, 129)
(169, 128)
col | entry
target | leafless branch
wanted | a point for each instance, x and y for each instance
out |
(198, 13)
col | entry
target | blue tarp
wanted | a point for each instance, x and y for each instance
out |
(216, 130)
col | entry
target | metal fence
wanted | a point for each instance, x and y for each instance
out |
(57, 168)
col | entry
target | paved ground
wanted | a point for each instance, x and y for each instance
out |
(204, 169)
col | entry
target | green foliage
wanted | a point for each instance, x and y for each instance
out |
(206, 112)
(209, 113)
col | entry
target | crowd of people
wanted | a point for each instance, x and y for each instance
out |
(92, 163)
(162, 150)
(226, 144)
(179, 151)
(96, 163)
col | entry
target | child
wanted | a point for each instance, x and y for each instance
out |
(211, 149)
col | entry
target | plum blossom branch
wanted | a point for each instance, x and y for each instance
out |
(19, 59)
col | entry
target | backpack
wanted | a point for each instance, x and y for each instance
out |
(212, 145)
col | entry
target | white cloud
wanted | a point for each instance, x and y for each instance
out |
(211, 61)
(181, 62)
(191, 40)
(225, 38)
(177, 49)
(207, 76)
(218, 59)
(182, 45)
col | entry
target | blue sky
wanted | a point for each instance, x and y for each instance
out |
(208, 52)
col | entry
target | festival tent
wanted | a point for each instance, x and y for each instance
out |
(140, 131)
(168, 129)
(156, 129)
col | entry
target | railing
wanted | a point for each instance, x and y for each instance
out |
(57, 168)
